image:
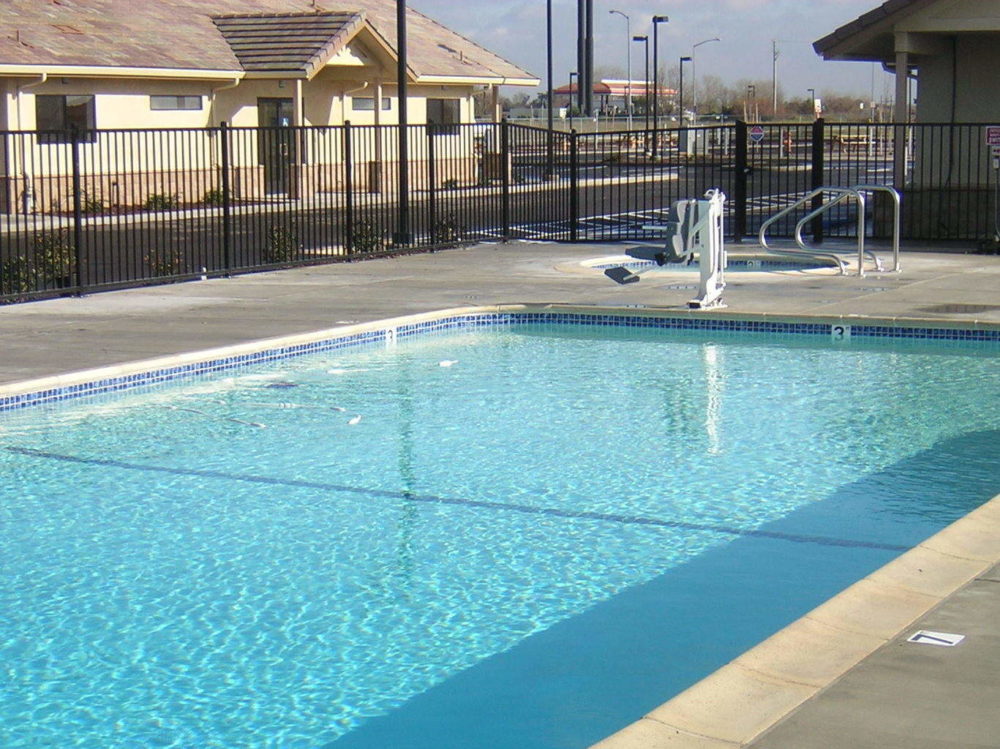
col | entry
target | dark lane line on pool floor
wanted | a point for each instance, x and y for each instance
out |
(460, 502)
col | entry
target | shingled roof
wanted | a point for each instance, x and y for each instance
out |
(287, 43)
(197, 35)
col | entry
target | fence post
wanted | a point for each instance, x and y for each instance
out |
(574, 198)
(505, 165)
(227, 197)
(431, 190)
(77, 212)
(818, 167)
(741, 172)
(349, 188)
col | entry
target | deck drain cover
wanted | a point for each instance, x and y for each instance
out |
(966, 308)
(680, 286)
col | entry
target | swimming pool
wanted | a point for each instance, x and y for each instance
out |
(240, 560)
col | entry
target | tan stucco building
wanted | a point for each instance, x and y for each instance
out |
(106, 65)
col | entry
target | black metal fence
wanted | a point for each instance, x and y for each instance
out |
(83, 211)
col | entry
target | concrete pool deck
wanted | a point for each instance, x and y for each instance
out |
(842, 676)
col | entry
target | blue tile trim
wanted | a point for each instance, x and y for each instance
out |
(482, 320)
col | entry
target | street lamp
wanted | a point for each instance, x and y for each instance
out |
(694, 85)
(550, 138)
(628, 63)
(657, 20)
(680, 93)
(572, 74)
(645, 84)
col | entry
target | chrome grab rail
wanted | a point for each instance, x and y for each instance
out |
(842, 193)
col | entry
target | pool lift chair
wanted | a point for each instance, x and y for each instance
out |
(695, 225)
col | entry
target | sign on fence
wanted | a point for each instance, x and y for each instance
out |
(993, 135)
(756, 133)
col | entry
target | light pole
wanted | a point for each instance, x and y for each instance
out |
(657, 20)
(694, 82)
(572, 74)
(549, 140)
(812, 101)
(628, 63)
(680, 92)
(751, 99)
(645, 81)
(403, 203)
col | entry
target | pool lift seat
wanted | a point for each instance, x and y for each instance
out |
(694, 226)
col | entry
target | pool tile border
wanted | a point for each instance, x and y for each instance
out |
(165, 369)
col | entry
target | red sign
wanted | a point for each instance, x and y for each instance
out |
(993, 135)
(757, 134)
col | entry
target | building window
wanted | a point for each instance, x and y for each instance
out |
(60, 114)
(159, 103)
(367, 104)
(443, 115)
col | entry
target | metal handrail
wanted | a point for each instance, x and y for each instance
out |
(847, 193)
(762, 234)
(896, 222)
(843, 193)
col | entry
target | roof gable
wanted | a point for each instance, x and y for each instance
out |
(295, 44)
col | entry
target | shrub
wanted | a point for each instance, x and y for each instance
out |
(368, 238)
(161, 202)
(164, 263)
(446, 230)
(90, 204)
(212, 197)
(282, 246)
(15, 275)
(53, 259)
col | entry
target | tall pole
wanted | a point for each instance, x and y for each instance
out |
(680, 92)
(403, 227)
(657, 20)
(628, 64)
(589, 60)
(774, 78)
(549, 145)
(645, 81)
(581, 54)
(694, 80)
(812, 102)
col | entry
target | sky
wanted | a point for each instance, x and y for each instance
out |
(515, 29)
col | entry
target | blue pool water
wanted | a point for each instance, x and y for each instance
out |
(529, 538)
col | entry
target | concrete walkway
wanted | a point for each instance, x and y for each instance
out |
(901, 695)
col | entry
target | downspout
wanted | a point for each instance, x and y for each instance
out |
(373, 184)
(211, 112)
(211, 96)
(28, 194)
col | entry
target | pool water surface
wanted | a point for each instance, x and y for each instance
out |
(521, 537)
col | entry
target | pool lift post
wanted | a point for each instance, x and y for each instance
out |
(694, 225)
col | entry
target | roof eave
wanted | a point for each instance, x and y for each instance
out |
(478, 80)
(106, 71)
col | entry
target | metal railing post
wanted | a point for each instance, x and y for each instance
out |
(77, 213)
(505, 165)
(574, 197)
(431, 190)
(227, 199)
(741, 172)
(349, 187)
(818, 167)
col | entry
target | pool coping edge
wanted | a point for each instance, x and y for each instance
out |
(741, 701)
(78, 378)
